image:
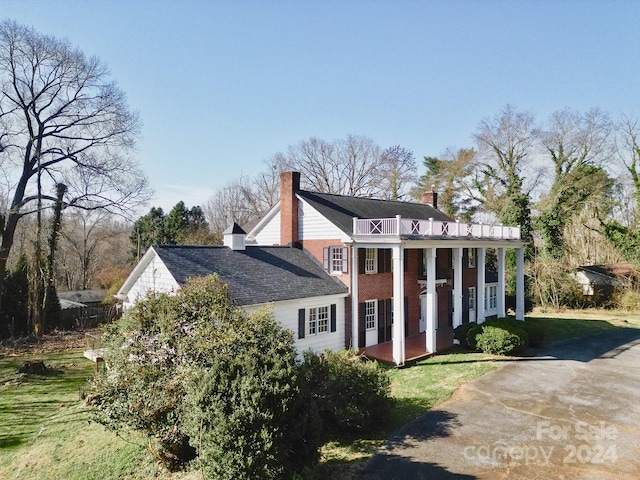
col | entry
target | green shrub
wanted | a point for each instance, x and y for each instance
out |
(349, 393)
(460, 333)
(472, 334)
(628, 300)
(238, 408)
(500, 340)
(194, 373)
(534, 332)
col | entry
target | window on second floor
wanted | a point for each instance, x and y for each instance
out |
(471, 256)
(371, 260)
(336, 259)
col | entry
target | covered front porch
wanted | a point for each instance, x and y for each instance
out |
(401, 235)
(414, 347)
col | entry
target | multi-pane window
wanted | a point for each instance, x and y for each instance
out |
(318, 320)
(471, 256)
(370, 314)
(491, 297)
(335, 259)
(371, 260)
(472, 298)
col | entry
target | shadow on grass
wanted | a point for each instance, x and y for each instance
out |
(387, 463)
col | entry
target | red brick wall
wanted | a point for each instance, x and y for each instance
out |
(289, 185)
(315, 248)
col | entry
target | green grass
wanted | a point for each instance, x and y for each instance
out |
(44, 427)
(575, 323)
(415, 389)
(45, 432)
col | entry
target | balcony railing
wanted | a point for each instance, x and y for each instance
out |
(433, 228)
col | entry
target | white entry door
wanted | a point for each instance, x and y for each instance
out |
(423, 310)
(472, 304)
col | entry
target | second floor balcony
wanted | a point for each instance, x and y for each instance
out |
(398, 226)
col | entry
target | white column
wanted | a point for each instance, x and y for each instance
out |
(457, 286)
(501, 283)
(432, 314)
(398, 305)
(354, 297)
(480, 293)
(520, 283)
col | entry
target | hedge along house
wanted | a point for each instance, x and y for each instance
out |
(304, 298)
(413, 273)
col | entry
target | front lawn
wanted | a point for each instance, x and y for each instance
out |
(45, 433)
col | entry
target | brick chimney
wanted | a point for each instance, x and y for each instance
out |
(430, 198)
(289, 185)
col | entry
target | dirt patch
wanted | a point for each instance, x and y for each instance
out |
(59, 341)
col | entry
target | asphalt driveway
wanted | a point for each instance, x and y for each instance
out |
(571, 412)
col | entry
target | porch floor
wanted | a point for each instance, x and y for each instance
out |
(414, 348)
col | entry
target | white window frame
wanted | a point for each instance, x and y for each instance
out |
(318, 320)
(471, 257)
(371, 260)
(370, 314)
(335, 259)
(493, 297)
(472, 298)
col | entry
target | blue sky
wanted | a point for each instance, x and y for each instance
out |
(222, 86)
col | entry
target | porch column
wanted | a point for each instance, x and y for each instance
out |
(354, 298)
(501, 283)
(432, 314)
(398, 305)
(520, 283)
(457, 286)
(480, 265)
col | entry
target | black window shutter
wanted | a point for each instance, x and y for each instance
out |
(361, 257)
(405, 264)
(345, 259)
(421, 274)
(406, 316)
(381, 321)
(333, 317)
(388, 308)
(301, 323)
(381, 261)
(361, 326)
(325, 258)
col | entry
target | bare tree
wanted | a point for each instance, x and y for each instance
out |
(578, 146)
(506, 143)
(398, 172)
(350, 166)
(61, 121)
(628, 150)
(90, 240)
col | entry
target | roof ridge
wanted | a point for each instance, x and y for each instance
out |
(364, 198)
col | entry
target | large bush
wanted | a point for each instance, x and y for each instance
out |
(349, 394)
(460, 333)
(196, 374)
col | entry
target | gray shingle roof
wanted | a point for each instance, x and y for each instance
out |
(341, 210)
(255, 275)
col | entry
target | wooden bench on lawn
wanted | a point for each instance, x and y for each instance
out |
(96, 356)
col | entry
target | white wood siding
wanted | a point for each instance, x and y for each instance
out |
(155, 278)
(287, 314)
(313, 226)
(269, 234)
